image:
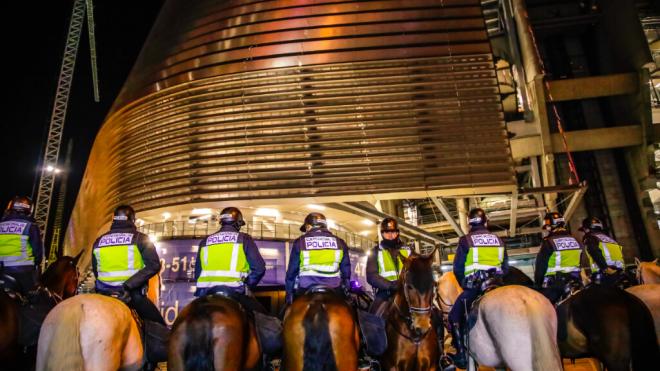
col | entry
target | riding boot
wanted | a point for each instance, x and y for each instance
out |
(457, 338)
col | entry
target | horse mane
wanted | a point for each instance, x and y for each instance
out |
(53, 273)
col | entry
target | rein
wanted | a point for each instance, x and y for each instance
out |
(408, 318)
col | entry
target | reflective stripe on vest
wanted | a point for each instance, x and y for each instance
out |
(611, 250)
(386, 267)
(15, 247)
(566, 256)
(117, 263)
(223, 261)
(320, 257)
(486, 252)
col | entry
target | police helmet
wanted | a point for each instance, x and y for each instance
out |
(232, 216)
(314, 220)
(553, 220)
(21, 205)
(477, 217)
(592, 223)
(389, 225)
(124, 213)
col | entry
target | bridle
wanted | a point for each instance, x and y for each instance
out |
(407, 317)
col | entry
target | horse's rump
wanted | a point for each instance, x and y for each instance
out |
(89, 331)
(323, 326)
(650, 295)
(213, 332)
(516, 327)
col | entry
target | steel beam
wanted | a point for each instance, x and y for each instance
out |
(593, 87)
(514, 213)
(440, 204)
(575, 201)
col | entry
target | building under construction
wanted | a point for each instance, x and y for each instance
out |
(417, 109)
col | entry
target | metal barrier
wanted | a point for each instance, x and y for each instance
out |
(260, 230)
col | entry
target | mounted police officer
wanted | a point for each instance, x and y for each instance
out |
(123, 261)
(384, 264)
(318, 258)
(558, 260)
(604, 253)
(21, 249)
(480, 257)
(228, 261)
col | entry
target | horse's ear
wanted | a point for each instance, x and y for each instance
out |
(77, 257)
(637, 261)
(430, 255)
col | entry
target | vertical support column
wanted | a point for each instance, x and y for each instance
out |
(514, 213)
(547, 156)
(461, 205)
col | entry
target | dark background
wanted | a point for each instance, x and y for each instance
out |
(34, 36)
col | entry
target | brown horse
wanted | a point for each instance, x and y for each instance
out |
(320, 334)
(213, 333)
(650, 295)
(58, 282)
(412, 341)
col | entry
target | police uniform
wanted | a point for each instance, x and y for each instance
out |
(124, 260)
(21, 249)
(383, 267)
(317, 258)
(228, 260)
(603, 251)
(560, 253)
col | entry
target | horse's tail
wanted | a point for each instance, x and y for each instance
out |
(318, 355)
(198, 352)
(543, 328)
(61, 341)
(643, 343)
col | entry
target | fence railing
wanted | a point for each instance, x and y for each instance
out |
(260, 230)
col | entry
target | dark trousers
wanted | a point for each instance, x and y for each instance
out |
(552, 293)
(25, 280)
(145, 308)
(464, 300)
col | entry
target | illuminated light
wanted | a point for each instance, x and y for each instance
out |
(50, 168)
(139, 222)
(365, 233)
(368, 252)
(201, 211)
(316, 207)
(166, 215)
(204, 217)
(368, 222)
(331, 224)
(57, 171)
(264, 211)
(269, 251)
(153, 238)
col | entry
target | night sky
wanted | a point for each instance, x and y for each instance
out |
(34, 36)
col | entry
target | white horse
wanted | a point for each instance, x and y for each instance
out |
(90, 332)
(516, 328)
(648, 272)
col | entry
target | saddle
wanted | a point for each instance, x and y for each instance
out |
(12, 288)
(269, 329)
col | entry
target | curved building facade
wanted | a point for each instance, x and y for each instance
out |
(297, 101)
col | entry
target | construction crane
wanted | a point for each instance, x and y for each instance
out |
(49, 169)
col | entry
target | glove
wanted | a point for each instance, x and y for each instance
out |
(394, 286)
(609, 271)
(125, 295)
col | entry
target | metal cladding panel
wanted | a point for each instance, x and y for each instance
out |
(280, 99)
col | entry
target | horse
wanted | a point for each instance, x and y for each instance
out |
(609, 324)
(515, 327)
(90, 332)
(59, 281)
(320, 334)
(647, 272)
(412, 339)
(213, 333)
(650, 295)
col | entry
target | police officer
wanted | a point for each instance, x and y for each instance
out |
(604, 253)
(558, 258)
(318, 258)
(123, 261)
(384, 264)
(480, 256)
(229, 260)
(21, 249)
